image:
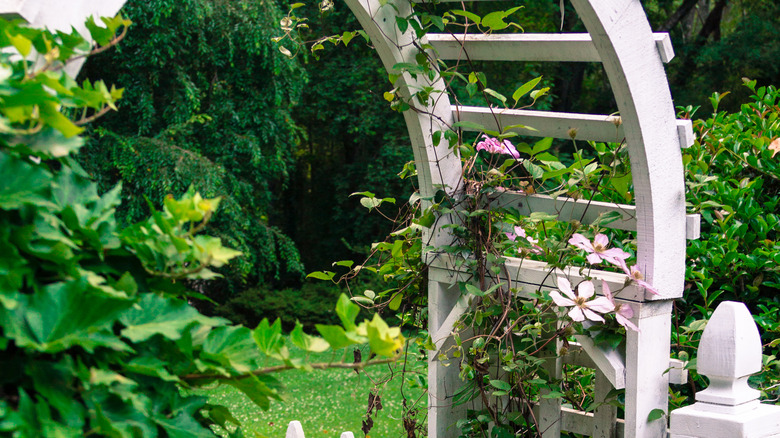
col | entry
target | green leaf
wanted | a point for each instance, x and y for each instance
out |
(495, 94)
(383, 340)
(307, 342)
(495, 20)
(151, 366)
(468, 125)
(608, 217)
(535, 171)
(268, 337)
(259, 389)
(22, 183)
(322, 275)
(168, 317)
(22, 44)
(63, 315)
(526, 88)
(347, 312)
(337, 337)
(53, 117)
(500, 384)
(470, 15)
(183, 425)
(370, 203)
(402, 23)
(231, 348)
(395, 303)
(655, 414)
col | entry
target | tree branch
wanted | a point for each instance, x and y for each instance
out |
(678, 15)
(275, 369)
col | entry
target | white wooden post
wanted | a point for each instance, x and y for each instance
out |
(729, 353)
(294, 430)
(61, 15)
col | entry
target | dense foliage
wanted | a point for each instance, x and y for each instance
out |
(96, 334)
(207, 103)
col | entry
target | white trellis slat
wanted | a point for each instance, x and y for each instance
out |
(587, 127)
(583, 210)
(559, 47)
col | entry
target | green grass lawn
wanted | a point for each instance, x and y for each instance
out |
(329, 402)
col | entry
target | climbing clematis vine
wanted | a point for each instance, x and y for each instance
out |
(496, 146)
(583, 307)
(598, 251)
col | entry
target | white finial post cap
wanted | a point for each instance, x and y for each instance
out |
(729, 352)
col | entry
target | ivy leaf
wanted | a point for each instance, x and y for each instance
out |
(63, 315)
(231, 348)
(51, 114)
(28, 184)
(337, 337)
(347, 312)
(167, 317)
(259, 389)
(213, 251)
(307, 342)
(268, 337)
(383, 340)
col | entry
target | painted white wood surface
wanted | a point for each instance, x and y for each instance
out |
(61, 15)
(583, 210)
(546, 47)
(729, 352)
(295, 430)
(586, 127)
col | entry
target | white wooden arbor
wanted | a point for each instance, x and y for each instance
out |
(58, 15)
(619, 37)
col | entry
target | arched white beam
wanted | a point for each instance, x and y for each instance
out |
(626, 46)
(438, 167)
(623, 38)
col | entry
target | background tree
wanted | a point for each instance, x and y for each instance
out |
(207, 102)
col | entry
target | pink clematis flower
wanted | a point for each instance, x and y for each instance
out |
(597, 250)
(495, 146)
(623, 311)
(582, 306)
(520, 232)
(535, 248)
(636, 276)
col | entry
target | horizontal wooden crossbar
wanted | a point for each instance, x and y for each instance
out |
(577, 356)
(583, 210)
(587, 127)
(545, 47)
